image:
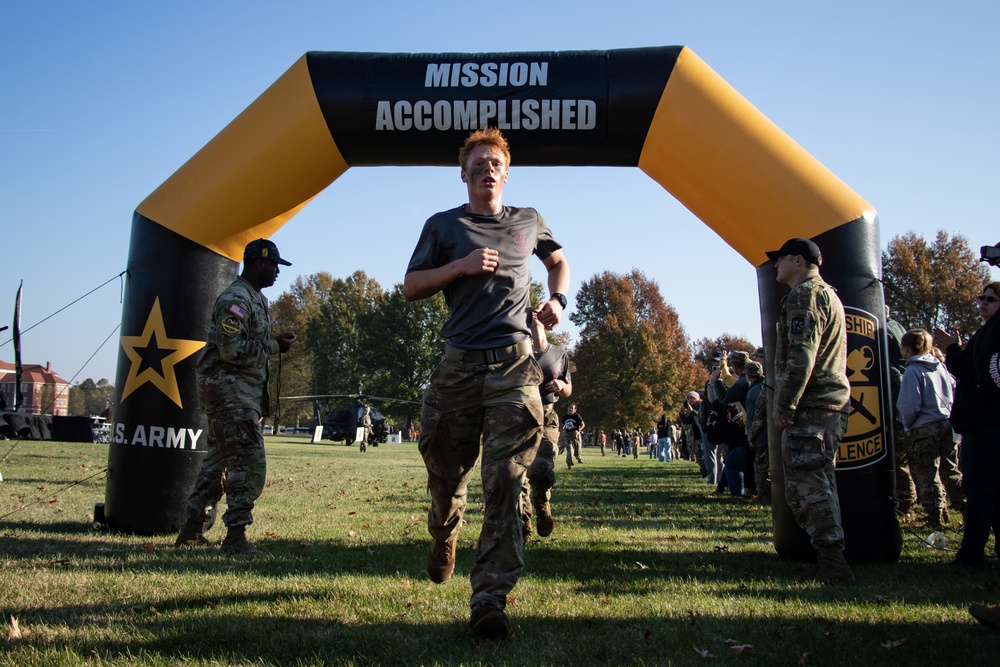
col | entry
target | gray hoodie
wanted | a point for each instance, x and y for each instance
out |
(926, 392)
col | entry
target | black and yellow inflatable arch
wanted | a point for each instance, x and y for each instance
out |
(660, 109)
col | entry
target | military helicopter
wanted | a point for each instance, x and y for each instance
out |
(342, 423)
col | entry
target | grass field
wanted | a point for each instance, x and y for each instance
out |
(645, 567)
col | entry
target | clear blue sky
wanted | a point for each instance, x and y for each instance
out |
(101, 102)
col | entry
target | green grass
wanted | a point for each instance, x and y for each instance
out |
(645, 567)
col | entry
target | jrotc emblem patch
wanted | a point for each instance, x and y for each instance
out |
(864, 442)
(519, 239)
(231, 324)
(797, 325)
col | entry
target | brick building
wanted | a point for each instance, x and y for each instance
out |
(42, 390)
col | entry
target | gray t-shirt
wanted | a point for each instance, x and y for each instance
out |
(490, 309)
(554, 363)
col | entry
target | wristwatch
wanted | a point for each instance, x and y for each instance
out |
(561, 298)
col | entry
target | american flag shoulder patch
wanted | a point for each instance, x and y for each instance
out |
(237, 311)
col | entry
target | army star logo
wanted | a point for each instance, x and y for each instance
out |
(171, 351)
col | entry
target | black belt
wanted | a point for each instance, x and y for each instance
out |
(496, 355)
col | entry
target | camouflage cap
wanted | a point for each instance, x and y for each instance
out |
(753, 369)
(263, 249)
(739, 357)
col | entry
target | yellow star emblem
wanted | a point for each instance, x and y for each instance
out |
(154, 337)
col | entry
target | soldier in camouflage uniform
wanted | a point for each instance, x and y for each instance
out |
(484, 395)
(811, 399)
(365, 423)
(232, 386)
(756, 411)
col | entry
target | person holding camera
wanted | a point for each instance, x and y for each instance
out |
(976, 368)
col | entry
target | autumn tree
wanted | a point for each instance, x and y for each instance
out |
(931, 285)
(632, 359)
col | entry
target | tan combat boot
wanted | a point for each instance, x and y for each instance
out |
(833, 568)
(543, 516)
(441, 560)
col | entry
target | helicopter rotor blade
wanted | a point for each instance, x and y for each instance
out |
(317, 397)
(386, 399)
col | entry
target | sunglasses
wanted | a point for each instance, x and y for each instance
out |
(987, 299)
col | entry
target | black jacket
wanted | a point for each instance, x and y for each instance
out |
(977, 391)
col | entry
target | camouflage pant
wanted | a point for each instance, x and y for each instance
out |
(762, 473)
(497, 407)
(235, 465)
(933, 451)
(542, 473)
(808, 448)
(570, 442)
(905, 490)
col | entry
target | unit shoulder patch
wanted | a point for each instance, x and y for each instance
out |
(231, 324)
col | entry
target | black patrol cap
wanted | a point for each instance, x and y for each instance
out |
(263, 249)
(809, 251)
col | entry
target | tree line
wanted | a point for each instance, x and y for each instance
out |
(632, 361)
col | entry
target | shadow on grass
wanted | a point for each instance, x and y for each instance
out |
(679, 638)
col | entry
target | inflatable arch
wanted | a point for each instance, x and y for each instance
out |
(660, 109)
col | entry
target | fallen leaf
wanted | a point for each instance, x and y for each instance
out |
(351, 533)
(405, 484)
(703, 652)
(53, 500)
(893, 643)
(641, 566)
(693, 616)
(271, 535)
(647, 635)
(740, 649)
(351, 513)
(306, 543)
(152, 610)
(149, 547)
(14, 632)
(370, 551)
(804, 660)
(721, 547)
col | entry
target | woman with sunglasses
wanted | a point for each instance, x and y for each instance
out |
(974, 415)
